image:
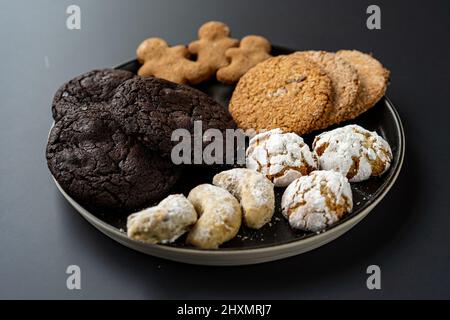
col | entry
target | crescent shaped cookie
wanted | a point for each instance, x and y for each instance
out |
(253, 190)
(219, 216)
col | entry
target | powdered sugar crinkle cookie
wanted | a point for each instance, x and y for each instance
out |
(317, 201)
(281, 157)
(353, 151)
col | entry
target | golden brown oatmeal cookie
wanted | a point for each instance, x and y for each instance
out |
(344, 82)
(252, 50)
(288, 92)
(373, 79)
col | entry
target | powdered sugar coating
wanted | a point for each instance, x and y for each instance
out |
(163, 223)
(317, 201)
(281, 157)
(219, 213)
(353, 151)
(253, 190)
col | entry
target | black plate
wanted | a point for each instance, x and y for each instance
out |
(382, 118)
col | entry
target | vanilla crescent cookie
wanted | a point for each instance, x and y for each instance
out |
(317, 201)
(353, 151)
(163, 223)
(281, 157)
(254, 192)
(219, 214)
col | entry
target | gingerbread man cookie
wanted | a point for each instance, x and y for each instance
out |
(214, 40)
(252, 50)
(317, 201)
(170, 63)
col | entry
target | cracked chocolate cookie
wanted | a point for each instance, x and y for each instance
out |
(101, 167)
(373, 80)
(95, 87)
(150, 109)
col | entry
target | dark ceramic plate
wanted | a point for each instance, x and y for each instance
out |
(275, 240)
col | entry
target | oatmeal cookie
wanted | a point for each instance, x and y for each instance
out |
(288, 92)
(344, 83)
(373, 79)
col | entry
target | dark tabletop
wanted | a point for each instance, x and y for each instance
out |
(407, 235)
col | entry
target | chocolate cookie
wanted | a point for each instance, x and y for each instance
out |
(288, 92)
(101, 167)
(150, 109)
(93, 87)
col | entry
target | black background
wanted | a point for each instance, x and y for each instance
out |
(407, 235)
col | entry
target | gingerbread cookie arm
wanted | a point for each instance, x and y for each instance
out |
(158, 69)
(146, 70)
(196, 72)
(252, 50)
(194, 47)
(169, 63)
